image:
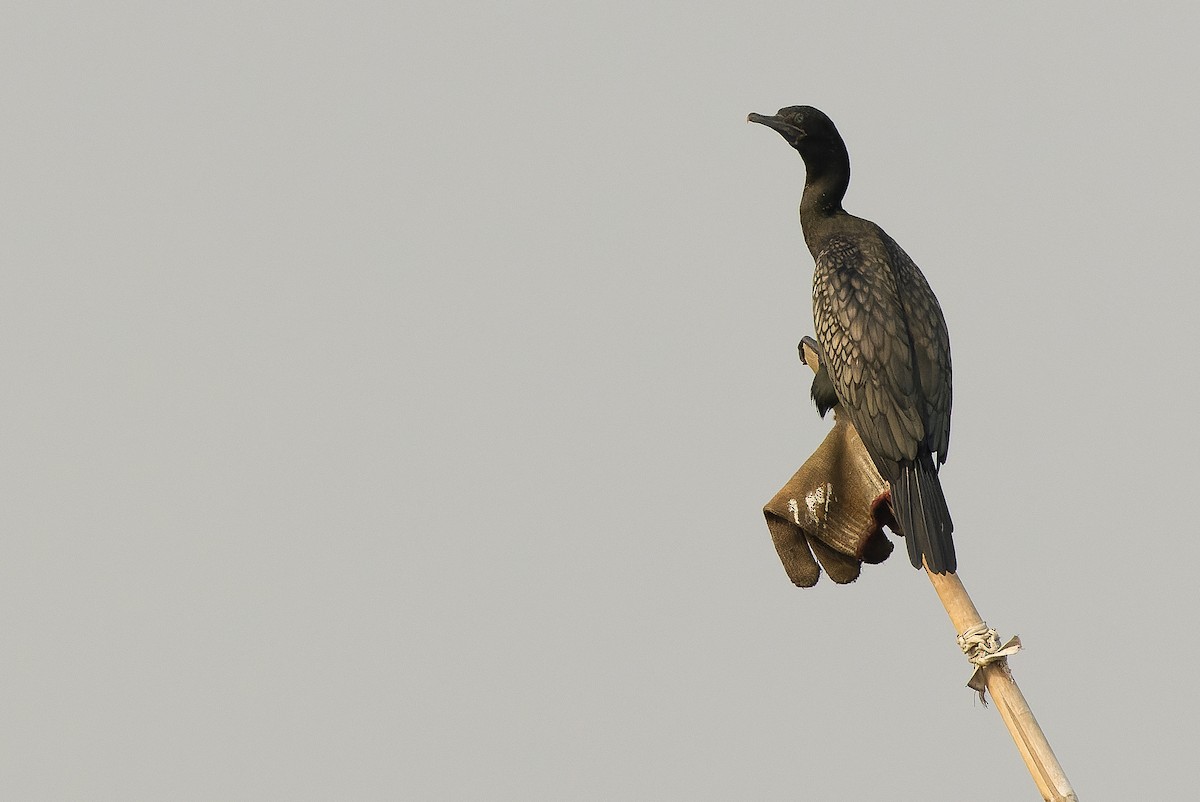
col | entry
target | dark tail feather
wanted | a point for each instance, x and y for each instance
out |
(923, 516)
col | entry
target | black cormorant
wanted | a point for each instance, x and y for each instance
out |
(884, 339)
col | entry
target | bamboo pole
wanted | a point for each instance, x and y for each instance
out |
(1031, 741)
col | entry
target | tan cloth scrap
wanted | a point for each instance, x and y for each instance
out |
(832, 512)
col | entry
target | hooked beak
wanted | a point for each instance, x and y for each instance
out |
(775, 123)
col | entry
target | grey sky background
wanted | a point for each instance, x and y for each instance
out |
(391, 392)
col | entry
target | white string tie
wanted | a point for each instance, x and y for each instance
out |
(981, 645)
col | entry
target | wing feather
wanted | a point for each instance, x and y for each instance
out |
(859, 319)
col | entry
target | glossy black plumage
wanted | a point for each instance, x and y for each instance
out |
(824, 394)
(883, 337)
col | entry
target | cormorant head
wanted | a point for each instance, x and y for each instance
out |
(806, 129)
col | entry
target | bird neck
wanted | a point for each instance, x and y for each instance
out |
(821, 205)
(827, 177)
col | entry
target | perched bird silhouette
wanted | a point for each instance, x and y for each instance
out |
(883, 336)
